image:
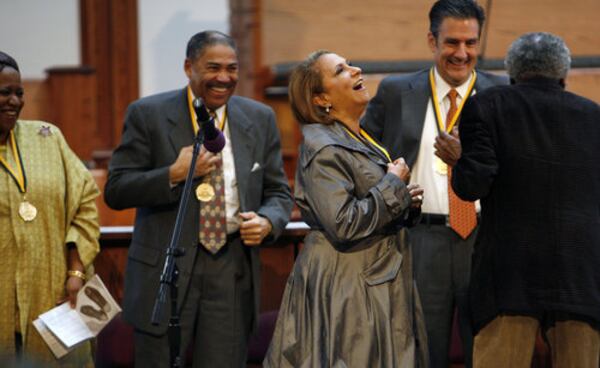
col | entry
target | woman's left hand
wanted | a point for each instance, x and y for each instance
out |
(72, 287)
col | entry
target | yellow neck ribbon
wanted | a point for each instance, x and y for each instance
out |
(193, 116)
(17, 174)
(365, 135)
(436, 106)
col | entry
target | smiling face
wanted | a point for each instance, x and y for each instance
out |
(11, 100)
(343, 86)
(213, 74)
(456, 49)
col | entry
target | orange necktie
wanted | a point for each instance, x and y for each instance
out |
(462, 215)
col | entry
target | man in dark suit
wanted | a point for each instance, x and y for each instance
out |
(218, 280)
(411, 124)
(531, 153)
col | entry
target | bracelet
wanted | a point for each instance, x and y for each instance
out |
(76, 273)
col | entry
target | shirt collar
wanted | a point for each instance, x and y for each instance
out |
(218, 112)
(442, 87)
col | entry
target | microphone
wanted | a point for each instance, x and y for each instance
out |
(214, 140)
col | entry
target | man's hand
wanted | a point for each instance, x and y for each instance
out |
(400, 169)
(447, 147)
(206, 163)
(254, 228)
(416, 194)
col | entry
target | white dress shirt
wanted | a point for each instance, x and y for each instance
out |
(435, 198)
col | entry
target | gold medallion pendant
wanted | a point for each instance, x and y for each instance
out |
(27, 211)
(440, 166)
(205, 192)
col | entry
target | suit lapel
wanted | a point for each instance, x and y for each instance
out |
(241, 132)
(181, 133)
(414, 103)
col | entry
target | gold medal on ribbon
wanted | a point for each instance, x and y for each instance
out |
(27, 211)
(440, 166)
(205, 192)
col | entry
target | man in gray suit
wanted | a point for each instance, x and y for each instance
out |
(415, 117)
(218, 287)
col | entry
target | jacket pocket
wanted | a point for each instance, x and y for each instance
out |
(384, 269)
(144, 254)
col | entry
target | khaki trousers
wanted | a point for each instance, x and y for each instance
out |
(508, 341)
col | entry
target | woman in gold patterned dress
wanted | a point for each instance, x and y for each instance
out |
(49, 227)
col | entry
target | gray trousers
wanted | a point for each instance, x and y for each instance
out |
(216, 315)
(442, 262)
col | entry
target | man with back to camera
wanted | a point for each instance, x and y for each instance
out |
(411, 124)
(240, 199)
(530, 152)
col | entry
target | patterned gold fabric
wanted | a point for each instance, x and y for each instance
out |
(33, 254)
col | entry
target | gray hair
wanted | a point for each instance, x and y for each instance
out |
(538, 54)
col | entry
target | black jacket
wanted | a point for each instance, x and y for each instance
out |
(531, 153)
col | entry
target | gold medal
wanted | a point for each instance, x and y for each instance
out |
(205, 192)
(27, 211)
(440, 166)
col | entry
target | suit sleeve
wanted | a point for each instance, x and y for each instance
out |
(474, 174)
(133, 181)
(374, 117)
(345, 217)
(277, 200)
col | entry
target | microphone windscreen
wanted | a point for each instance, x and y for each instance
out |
(214, 140)
(215, 145)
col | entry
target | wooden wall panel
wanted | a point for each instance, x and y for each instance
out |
(124, 61)
(73, 107)
(575, 21)
(36, 100)
(94, 45)
(109, 45)
(367, 30)
(585, 82)
(245, 29)
(397, 29)
(108, 216)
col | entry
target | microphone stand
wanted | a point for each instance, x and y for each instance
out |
(170, 273)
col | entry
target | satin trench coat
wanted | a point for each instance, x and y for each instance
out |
(350, 300)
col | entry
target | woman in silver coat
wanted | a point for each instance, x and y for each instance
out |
(350, 300)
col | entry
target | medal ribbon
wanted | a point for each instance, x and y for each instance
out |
(365, 135)
(436, 106)
(193, 113)
(18, 175)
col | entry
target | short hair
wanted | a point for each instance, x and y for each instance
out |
(461, 9)
(7, 60)
(200, 41)
(538, 54)
(306, 81)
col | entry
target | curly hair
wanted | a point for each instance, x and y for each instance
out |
(538, 54)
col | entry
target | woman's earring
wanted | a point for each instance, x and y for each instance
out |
(327, 108)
